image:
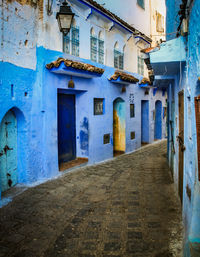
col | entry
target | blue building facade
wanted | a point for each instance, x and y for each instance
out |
(176, 67)
(54, 112)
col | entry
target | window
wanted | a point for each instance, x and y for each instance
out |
(100, 48)
(98, 106)
(159, 22)
(118, 58)
(132, 135)
(141, 3)
(93, 46)
(96, 47)
(140, 63)
(71, 41)
(132, 110)
(106, 138)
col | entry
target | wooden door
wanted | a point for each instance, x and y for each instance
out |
(66, 128)
(158, 120)
(181, 143)
(145, 121)
(119, 133)
(197, 112)
(8, 151)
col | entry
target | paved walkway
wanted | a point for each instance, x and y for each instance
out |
(124, 207)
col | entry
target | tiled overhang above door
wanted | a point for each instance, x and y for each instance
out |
(120, 77)
(74, 68)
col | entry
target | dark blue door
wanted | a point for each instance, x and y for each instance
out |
(145, 121)
(158, 120)
(66, 128)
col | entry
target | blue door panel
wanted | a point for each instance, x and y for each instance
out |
(66, 128)
(145, 121)
(158, 120)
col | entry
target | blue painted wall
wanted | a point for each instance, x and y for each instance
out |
(185, 78)
(172, 19)
(33, 99)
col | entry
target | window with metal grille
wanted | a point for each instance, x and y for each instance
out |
(141, 3)
(159, 22)
(98, 106)
(71, 42)
(93, 50)
(118, 59)
(101, 51)
(140, 64)
(132, 135)
(132, 110)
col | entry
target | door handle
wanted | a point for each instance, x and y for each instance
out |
(180, 140)
(7, 148)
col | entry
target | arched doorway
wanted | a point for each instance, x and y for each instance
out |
(8, 151)
(158, 120)
(119, 126)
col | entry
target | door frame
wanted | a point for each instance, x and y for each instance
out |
(157, 128)
(23, 171)
(144, 125)
(74, 144)
(181, 144)
(119, 151)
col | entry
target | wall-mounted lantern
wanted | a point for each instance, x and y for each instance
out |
(65, 17)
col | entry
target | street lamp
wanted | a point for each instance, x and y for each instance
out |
(65, 17)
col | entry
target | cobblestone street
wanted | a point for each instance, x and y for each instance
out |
(123, 207)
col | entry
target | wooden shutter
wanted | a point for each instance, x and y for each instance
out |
(197, 112)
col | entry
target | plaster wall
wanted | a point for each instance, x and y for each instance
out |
(18, 34)
(172, 21)
(131, 12)
(33, 27)
(157, 6)
(187, 79)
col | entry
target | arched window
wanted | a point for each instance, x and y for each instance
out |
(101, 48)
(140, 62)
(93, 45)
(118, 57)
(71, 40)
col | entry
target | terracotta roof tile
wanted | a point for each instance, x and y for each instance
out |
(112, 15)
(124, 76)
(75, 65)
(145, 81)
(147, 50)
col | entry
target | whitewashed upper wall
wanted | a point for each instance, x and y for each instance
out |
(19, 27)
(157, 6)
(26, 26)
(131, 12)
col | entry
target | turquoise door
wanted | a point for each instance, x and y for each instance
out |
(8, 151)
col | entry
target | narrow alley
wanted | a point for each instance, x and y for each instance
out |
(123, 207)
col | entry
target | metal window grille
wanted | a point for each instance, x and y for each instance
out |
(141, 3)
(93, 50)
(140, 65)
(75, 41)
(101, 51)
(71, 42)
(159, 23)
(132, 110)
(98, 106)
(118, 59)
(66, 44)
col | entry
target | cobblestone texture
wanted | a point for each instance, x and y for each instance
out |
(124, 207)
